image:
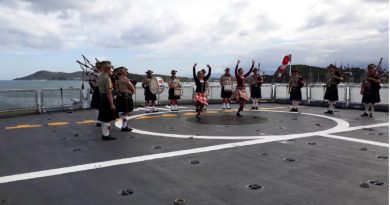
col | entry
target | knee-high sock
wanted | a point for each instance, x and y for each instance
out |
(97, 116)
(371, 107)
(331, 105)
(124, 121)
(366, 106)
(106, 128)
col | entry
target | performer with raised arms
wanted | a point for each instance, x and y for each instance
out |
(255, 85)
(333, 78)
(174, 88)
(370, 90)
(107, 109)
(200, 96)
(295, 84)
(226, 82)
(124, 101)
(150, 98)
(240, 94)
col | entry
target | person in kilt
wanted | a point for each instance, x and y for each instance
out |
(173, 84)
(226, 82)
(240, 94)
(295, 84)
(200, 96)
(370, 90)
(107, 109)
(150, 98)
(255, 82)
(93, 83)
(124, 100)
(333, 78)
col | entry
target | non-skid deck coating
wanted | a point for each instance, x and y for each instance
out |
(270, 156)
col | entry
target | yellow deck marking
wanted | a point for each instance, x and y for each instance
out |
(168, 115)
(146, 117)
(211, 112)
(57, 123)
(189, 113)
(86, 122)
(229, 110)
(22, 126)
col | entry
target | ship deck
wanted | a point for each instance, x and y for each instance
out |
(267, 156)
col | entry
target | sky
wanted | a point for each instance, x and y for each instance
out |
(174, 34)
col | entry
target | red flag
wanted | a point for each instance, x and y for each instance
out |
(282, 67)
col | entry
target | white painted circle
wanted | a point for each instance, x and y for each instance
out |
(341, 126)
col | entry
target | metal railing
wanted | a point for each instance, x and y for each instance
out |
(39, 101)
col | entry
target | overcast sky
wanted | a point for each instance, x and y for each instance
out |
(173, 34)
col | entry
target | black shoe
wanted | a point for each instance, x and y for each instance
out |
(329, 112)
(229, 108)
(155, 110)
(296, 109)
(256, 108)
(98, 124)
(238, 114)
(292, 110)
(371, 115)
(107, 138)
(126, 129)
(253, 108)
(364, 114)
(197, 117)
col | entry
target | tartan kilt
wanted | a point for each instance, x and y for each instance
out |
(240, 94)
(331, 93)
(124, 102)
(106, 114)
(295, 93)
(95, 99)
(255, 92)
(371, 96)
(201, 97)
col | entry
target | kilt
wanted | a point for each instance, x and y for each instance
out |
(255, 91)
(295, 93)
(225, 94)
(106, 114)
(171, 94)
(124, 102)
(201, 97)
(240, 94)
(371, 96)
(95, 99)
(331, 93)
(149, 96)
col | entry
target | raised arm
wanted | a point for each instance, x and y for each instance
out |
(250, 70)
(209, 73)
(194, 73)
(236, 69)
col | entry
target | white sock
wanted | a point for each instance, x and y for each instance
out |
(172, 107)
(176, 107)
(366, 106)
(124, 121)
(106, 128)
(254, 102)
(257, 103)
(223, 105)
(331, 105)
(154, 108)
(372, 108)
(147, 109)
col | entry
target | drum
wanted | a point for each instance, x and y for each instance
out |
(178, 92)
(157, 85)
(227, 88)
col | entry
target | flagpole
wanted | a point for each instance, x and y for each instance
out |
(290, 65)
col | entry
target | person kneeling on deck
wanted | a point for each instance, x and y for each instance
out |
(295, 84)
(107, 110)
(150, 98)
(226, 82)
(124, 100)
(200, 96)
(333, 78)
(370, 90)
(175, 91)
(255, 82)
(240, 94)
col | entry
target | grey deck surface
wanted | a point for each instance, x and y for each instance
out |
(326, 171)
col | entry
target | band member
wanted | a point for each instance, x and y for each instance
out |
(107, 109)
(226, 82)
(255, 82)
(240, 94)
(150, 98)
(124, 100)
(295, 84)
(200, 96)
(370, 90)
(333, 78)
(93, 83)
(173, 84)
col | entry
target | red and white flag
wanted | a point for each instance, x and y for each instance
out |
(282, 67)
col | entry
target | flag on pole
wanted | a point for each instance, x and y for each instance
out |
(282, 67)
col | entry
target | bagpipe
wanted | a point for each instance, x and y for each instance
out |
(378, 72)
